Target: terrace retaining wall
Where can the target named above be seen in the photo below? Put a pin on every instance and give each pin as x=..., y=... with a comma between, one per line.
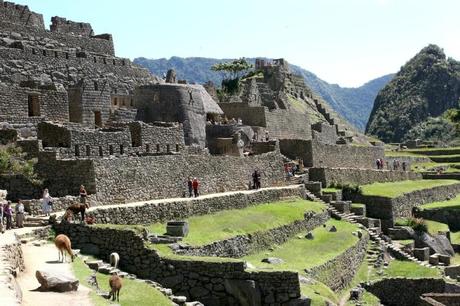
x=338, y=272
x=211, y=282
x=242, y=245
x=11, y=264
x=161, y=211
x=343, y=176
x=450, y=216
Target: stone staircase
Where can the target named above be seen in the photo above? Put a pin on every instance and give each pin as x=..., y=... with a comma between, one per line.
x=372, y=226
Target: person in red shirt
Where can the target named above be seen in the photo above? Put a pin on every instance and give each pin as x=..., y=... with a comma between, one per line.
x=195, y=185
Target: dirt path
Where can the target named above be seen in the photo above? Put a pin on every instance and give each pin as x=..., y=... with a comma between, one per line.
x=45, y=258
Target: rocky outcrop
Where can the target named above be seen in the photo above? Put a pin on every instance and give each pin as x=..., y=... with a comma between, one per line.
x=51, y=281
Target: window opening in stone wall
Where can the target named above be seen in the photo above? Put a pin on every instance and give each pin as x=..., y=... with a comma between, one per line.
x=177, y=147
x=122, y=150
x=123, y=62
x=67, y=55
x=56, y=54
x=115, y=101
x=44, y=52
x=101, y=153
x=96, y=86
x=88, y=150
x=110, y=150
x=33, y=105
x=34, y=51
x=168, y=148
x=147, y=148
x=77, y=150
x=158, y=147
x=97, y=119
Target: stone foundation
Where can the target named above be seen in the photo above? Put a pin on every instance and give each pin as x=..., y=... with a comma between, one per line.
x=11, y=264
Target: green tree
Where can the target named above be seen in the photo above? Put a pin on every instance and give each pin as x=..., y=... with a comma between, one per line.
x=232, y=73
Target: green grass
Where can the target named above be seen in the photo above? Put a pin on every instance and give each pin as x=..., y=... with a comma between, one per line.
x=330, y=189
x=423, y=167
x=299, y=254
x=404, y=241
x=428, y=150
x=357, y=205
x=230, y=223
x=450, y=204
x=319, y=293
x=396, y=189
x=409, y=269
x=402, y=153
x=132, y=292
x=433, y=226
x=455, y=237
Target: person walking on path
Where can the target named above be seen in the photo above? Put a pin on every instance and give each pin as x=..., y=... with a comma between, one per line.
x=256, y=179
x=8, y=212
x=20, y=215
x=190, y=187
x=195, y=186
x=47, y=202
x=83, y=195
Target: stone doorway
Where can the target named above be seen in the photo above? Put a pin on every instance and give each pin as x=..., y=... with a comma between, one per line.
x=97, y=119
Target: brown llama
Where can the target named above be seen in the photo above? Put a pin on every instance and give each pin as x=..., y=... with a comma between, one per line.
x=63, y=245
x=115, y=287
x=75, y=209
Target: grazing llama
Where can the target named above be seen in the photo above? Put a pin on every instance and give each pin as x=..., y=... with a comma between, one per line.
x=115, y=287
x=114, y=259
x=63, y=244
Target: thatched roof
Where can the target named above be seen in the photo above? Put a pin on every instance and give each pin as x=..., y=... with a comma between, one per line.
x=210, y=106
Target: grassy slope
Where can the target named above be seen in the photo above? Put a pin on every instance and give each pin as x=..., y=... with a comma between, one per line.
x=132, y=292
x=451, y=204
x=230, y=223
x=395, y=189
x=409, y=269
x=300, y=254
x=421, y=167
x=433, y=226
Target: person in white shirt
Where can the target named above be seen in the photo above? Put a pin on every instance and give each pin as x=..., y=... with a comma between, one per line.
x=47, y=202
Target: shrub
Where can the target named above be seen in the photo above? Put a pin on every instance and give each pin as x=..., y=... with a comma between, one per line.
x=348, y=190
x=13, y=161
x=417, y=224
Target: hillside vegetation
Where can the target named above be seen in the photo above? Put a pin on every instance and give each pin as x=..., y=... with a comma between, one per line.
x=354, y=104
x=416, y=103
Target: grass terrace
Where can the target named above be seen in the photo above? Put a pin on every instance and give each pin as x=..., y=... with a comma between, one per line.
x=433, y=226
x=230, y=223
x=300, y=254
x=450, y=204
x=409, y=269
x=132, y=293
x=396, y=189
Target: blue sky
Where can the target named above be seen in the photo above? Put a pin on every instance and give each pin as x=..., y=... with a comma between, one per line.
x=345, y=42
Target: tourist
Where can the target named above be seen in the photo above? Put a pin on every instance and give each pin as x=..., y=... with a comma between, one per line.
x=83, y=195
x=256, y=179
x=195, y=186
x=267, y=136
x=378, y=163
x=8, y=213
x=47, y=202
x=20, y=215
x=190, y=187
x=394, y=164
x=404, y=166
x=3, y=194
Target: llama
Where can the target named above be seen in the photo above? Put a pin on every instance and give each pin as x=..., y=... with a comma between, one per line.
x=74, y=209
x=114, y=259
x=115, y=286
x=64, y=245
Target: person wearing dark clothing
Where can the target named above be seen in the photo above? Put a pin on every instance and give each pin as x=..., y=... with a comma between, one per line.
x=256, y=179
x=83, y=195
x=404, y=166
x=8, y=213
x=195, y=186
x=378, y=163
x=190, y=187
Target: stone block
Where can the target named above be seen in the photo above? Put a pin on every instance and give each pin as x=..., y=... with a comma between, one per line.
x=401, y=232
x=434, y=260
x=422, y=254
x=358, y=210
x=314, y=187
x=445, y=259
x=342, y=206
x=177, y=228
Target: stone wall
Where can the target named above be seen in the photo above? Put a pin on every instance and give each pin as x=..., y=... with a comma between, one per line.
x=19, y=187
x=11, y=264
x=34, y=206
x=164, y=176
x=284, y=124
x=52, y=104
x=157, y=138
x=337, y=273
x=324, y=132
x=343, y=176
x=250, y=115
x=211, y=282
x=242, y=245
x=20, y=15
x=62, y=25
x=443, y=215
x=388, y=209
x=318, y=154
x=404, y=291
x=167, y=210
x=187, y=104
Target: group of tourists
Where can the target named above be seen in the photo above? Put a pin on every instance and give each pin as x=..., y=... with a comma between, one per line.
x=396, y=165
x=7, y=212
x=193, y=185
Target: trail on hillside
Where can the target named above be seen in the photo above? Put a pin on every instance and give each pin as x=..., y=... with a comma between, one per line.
x=45, y=258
